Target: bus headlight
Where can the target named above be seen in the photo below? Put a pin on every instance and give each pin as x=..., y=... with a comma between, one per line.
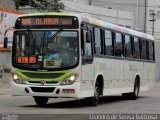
x=71, y=79
x=18, y=80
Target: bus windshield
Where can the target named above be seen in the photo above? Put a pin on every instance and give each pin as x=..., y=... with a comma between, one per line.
x=44, y=50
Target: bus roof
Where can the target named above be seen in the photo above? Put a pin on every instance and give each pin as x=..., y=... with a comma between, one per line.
x=97, y=22
x=114, y=27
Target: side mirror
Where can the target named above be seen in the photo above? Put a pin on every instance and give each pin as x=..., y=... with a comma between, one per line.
x=88, y=37
x=5, y=42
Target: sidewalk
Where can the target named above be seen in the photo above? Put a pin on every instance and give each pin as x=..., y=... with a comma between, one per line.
x=5, y=85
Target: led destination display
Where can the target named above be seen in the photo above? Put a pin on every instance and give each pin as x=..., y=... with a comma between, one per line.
x=47, y=22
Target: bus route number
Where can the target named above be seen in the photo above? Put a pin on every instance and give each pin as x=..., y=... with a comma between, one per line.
x=102, y=66
x=50, y=63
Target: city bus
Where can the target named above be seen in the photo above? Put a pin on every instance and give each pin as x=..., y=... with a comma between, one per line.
x=64, y=55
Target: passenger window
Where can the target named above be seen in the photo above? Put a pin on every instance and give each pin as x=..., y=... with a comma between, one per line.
x=108, y=43
x=151, y=51
x=128, y=49
x=98, y=48
x=144, y=50
x=136, y=48
x=118, y=45
x=147, y=49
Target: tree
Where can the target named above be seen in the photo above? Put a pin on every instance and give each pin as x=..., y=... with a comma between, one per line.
x=19, y=3
x=42, y=5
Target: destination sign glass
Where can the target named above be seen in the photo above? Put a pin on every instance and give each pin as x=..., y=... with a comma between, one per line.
x=47, y=22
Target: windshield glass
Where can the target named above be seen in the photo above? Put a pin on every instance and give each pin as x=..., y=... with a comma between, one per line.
x=44, y=50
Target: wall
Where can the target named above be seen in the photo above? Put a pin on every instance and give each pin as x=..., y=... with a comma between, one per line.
x=7, y=4
x=7, y=20
x=133, y=6
x=155, y=6
x=157, y=58
x=123, y=18
x=5, y=58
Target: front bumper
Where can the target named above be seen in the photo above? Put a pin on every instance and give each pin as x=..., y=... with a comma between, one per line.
x=49, y=91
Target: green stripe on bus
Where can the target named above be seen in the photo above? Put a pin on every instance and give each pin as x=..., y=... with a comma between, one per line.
x=66, y=74
x=94, y=71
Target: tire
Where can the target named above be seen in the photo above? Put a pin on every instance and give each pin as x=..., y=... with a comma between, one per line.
x=41, y=101
x=135, y=94
x=94, y=101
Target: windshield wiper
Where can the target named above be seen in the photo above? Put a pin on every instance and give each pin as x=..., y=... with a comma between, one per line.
x=31, y=40
x=53, y=36
x=30, y=33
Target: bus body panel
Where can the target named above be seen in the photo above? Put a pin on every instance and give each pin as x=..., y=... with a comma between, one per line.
x=19, y=90
x=87, y=81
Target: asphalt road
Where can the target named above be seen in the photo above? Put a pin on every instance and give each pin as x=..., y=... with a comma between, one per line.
x=148, y=102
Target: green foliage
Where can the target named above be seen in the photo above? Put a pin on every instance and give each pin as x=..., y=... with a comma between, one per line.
x=7, y=70
x=42, y=5
x=22, y=3
x=48, y=5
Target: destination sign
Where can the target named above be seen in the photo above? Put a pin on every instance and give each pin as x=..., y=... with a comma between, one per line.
x=26, y=60
x=47, y=21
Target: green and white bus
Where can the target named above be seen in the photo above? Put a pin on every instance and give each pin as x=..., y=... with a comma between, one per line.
x=77, y=56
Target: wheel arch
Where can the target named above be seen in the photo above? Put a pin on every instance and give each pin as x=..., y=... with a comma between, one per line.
x=137, y=79
x=100, y=79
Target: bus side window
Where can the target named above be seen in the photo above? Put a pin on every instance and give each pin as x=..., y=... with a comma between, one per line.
x=151, y=51
x=108, y=43
x=144, y=50
x=147, y=49
x=118, y=45
x=140, y=48
x=136, y=48
x=98, y=45
x=128, y=47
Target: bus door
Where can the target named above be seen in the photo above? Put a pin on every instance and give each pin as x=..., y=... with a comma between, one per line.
x=87, y=59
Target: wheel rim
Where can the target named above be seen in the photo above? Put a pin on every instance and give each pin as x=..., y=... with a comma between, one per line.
x=96, y=93
x=136, y=90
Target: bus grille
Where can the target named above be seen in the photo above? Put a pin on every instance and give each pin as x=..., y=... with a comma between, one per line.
x=47, y=82
x=42, y=90
x=43, y=75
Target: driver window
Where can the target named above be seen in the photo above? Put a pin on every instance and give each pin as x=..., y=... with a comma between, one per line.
x=86, y=47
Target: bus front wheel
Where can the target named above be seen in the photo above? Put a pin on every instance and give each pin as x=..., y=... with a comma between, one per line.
x=95, y=99
x=41, y=101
